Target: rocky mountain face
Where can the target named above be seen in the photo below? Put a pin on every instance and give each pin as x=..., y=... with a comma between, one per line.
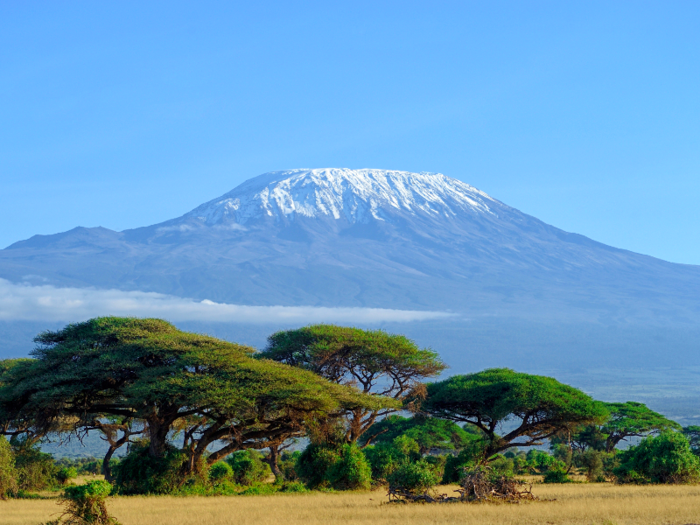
x=390, y=239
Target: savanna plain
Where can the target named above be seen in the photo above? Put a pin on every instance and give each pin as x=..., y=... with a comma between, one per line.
x=575, y=504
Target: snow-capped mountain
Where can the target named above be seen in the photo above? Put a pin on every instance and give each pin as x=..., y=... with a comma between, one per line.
x=354, y=195
x=385, y=239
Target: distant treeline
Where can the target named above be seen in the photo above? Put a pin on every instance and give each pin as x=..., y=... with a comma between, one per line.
x=196, y=414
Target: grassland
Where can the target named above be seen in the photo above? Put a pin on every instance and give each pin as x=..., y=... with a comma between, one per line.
x=576, y=504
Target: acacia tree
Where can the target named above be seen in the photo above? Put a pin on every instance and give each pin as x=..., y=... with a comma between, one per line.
x=377, y=363
x=625, y=420
x=536, y=407
x=147, y=370
x=632, y=419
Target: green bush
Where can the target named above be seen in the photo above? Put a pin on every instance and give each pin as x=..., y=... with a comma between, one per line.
x=86, y=504
x=592, y=463
x=385, y=457
x=351, y=471
x=556, y=473
x=415, y=477
x=539, y=462
x=140, y=473
x=8, y=473
x=342, y=467
x=666, y=458
x=314, y=462
x=36, y=470
x=248, y=467
x=220, y=471
x=437, y=463
x=287, y=465
x=65, y=474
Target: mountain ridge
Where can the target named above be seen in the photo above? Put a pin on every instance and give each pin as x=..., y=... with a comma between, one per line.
x=369, y=238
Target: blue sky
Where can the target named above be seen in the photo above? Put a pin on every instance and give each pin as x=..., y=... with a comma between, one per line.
x=583, y=114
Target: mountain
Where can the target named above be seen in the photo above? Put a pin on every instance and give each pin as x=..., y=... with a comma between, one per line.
x=523, y=293
x=340, y=237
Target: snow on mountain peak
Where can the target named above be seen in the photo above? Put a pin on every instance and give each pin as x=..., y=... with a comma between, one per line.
x=356, y=195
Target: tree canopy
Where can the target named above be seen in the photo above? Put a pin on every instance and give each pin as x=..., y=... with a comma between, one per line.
x=536, y=407
x=429, y=432
x=377, y=363
x=149, y=370
x=632, y=419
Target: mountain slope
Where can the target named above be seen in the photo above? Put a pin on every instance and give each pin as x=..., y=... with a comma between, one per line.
x=339, y=237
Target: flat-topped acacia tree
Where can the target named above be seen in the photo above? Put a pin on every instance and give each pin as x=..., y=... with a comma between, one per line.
x=632, y=419
x=535, y=407
x=377, y=363
x=148, y=370
x=625, y=420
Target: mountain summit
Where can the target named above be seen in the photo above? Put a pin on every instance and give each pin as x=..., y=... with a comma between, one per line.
x=355, y=196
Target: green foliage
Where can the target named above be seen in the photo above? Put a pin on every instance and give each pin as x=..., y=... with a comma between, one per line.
x=351, y=471
x=385, y=457
x=65, y=474
x=429, y=432
x=693, y=434
x=415, y=477
x=147, y=369
x=87, y=465
x=322, y=465
x=287, y=465
x=666, y=458
x=140, y=473
x=220, y=471
x=592, y=462
x=8, y=473
x=539, y=462
x=541, y=405
x=248, y=467
x=502, y=466
x=632, y=419
x=556, y=473
x=86, y=504
x=36, y=470
x=376, y=362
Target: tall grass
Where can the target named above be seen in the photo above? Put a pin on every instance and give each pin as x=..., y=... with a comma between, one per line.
x=575, y=504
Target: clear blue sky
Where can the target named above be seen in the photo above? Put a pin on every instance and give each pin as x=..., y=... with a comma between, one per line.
x=584, y=114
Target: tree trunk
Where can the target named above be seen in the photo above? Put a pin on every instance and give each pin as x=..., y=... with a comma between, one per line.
x=158, y=434
x=273, y=460
x=106, y=469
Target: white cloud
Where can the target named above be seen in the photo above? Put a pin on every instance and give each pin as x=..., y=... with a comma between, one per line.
x=48, y=303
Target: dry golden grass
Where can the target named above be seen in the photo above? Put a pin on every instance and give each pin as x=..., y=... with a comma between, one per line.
x=579, y=504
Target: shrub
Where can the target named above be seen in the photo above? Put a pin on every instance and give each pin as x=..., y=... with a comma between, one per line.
x=351, y=471
x=592, y=463
x=220, y=471
x=36, y=470
x=87, y=504
x=556, y=473
x=314, y=462
x=666, y=458
x=414, y=477
x=8, y=473
x=454, y=465
x=248, y=467
x=539, y=461
x=437, y=463
x=385, y=457
x=65, y=474
x=344, y=467
x=140, y=473
x=287, y=465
